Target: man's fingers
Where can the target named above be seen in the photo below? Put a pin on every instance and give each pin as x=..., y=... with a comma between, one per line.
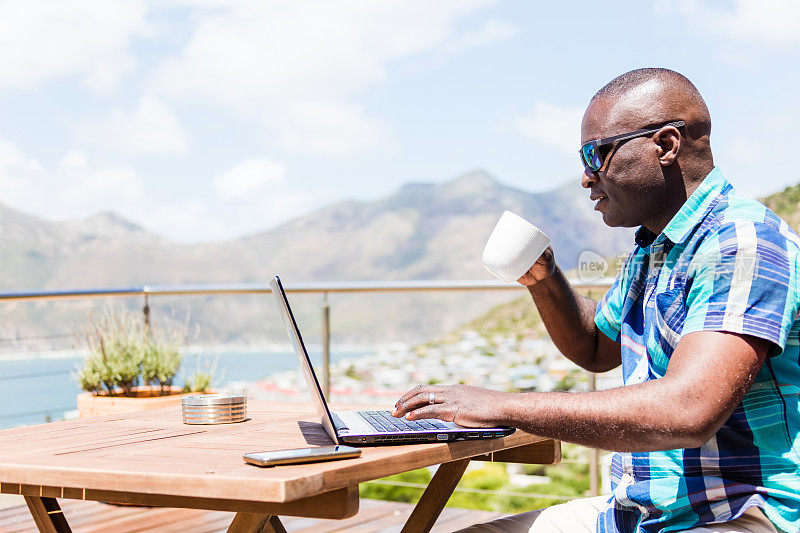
x=408, y=404
x=417, y=400
x=422, y=391
x=413, y=392
x=431, y=411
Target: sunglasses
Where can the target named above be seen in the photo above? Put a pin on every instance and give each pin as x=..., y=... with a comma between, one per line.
x=594, y=154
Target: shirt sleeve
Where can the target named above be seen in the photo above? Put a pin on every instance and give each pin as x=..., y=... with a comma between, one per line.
x=608, y=314
x=744, y=280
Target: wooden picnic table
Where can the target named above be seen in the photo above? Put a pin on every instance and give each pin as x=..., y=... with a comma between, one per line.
x=152, y=458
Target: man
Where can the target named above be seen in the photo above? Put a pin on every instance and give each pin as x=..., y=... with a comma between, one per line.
x=701, y=318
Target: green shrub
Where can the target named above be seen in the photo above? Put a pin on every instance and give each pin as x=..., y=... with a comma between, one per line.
x=396, y=493
x=203, y=377
x=124, y=353
x=567, y=480
x=161, y=362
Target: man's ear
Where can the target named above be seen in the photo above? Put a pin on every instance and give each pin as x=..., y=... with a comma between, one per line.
x=668, y=140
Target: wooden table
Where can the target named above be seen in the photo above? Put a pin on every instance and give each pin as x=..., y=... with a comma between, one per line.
x=152, y=458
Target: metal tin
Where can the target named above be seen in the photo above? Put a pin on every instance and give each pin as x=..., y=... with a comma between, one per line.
x=214, y=412
x=214, y=399
x=214, y=409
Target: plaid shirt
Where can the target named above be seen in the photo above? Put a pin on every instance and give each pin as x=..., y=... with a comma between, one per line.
x=723, y=263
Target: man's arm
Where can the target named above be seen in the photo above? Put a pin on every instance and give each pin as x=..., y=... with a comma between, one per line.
x=708, y=374
x=569, y=317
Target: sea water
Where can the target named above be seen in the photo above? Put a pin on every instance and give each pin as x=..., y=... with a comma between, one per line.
x=41, y=388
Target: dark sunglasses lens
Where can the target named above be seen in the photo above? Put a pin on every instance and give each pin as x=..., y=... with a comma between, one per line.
x=591, y=158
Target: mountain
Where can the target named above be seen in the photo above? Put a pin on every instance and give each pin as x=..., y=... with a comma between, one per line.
x=431, y=231
x=786, y=204
x=422, y=231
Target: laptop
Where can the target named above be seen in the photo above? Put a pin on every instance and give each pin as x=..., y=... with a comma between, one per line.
x=371, y=427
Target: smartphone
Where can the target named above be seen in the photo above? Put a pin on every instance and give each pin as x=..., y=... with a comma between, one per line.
x=301, y=455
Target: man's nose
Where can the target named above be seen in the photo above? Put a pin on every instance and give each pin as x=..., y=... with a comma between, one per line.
x=589, y=178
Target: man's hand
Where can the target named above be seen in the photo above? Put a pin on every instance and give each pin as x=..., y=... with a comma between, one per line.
x=466, y=406
x=542, y=269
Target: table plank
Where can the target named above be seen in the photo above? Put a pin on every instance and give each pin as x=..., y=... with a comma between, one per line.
x=335, y=504
x=541, y=453
x=156, y=454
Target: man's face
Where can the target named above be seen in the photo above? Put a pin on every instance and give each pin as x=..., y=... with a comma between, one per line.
x=631, y=189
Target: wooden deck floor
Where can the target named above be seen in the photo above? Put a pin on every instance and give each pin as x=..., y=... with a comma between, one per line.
x=93, y=517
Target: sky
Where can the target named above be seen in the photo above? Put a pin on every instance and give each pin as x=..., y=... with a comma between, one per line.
x=207, y=120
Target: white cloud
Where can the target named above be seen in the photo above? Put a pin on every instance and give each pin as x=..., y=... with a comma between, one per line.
x=492, y=31
x=45, y=40
x=255, y=194
x=151, y=128
x=76, y=188
x=248, y=178
x=268, y=209
x=555, y=126
x=332, y=129
x=768, y=22
x=257, y=52
x=180, y=221
x=13, y=162
x=290, y=63
x=86, y=187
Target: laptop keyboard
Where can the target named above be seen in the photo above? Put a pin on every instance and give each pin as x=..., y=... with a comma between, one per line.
x=384, y=421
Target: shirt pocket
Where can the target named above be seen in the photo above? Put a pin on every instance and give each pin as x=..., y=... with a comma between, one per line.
x=670, y=315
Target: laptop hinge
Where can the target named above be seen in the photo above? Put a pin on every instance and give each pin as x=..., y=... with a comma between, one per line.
x=338, y=423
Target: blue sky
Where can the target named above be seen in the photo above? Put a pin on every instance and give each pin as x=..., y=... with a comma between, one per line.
x=207, y=120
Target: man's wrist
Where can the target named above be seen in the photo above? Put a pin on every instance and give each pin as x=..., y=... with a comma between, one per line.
x=544, y=284
x=507, y=409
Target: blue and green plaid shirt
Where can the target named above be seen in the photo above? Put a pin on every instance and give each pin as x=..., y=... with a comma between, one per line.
x=723, y=263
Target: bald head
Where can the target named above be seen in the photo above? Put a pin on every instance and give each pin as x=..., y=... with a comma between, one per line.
x=630, y=80
x=652, y=96
x=657, y=95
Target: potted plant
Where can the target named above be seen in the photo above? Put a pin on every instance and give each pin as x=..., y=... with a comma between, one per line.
x=130, y=367
x=202, y=378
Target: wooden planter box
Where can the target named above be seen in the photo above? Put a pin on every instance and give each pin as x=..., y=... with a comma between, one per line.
x=146, y=399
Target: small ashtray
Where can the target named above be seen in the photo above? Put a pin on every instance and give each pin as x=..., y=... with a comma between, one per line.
x=214, y=409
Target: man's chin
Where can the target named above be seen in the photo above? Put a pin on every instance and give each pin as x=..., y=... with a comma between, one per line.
x=611, y=220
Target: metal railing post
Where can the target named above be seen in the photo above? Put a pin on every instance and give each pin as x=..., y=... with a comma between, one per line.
x=326, y=347
x=146, y=312
x=594, y=454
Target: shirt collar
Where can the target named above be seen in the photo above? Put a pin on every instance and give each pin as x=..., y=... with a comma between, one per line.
x=691, y=213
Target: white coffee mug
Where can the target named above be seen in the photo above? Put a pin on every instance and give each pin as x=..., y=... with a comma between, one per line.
x=513, y=247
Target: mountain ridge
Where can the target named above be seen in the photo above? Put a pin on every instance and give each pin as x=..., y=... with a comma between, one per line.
x=420, y=231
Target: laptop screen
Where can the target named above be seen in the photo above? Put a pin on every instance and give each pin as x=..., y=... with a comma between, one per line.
x=302, y=355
